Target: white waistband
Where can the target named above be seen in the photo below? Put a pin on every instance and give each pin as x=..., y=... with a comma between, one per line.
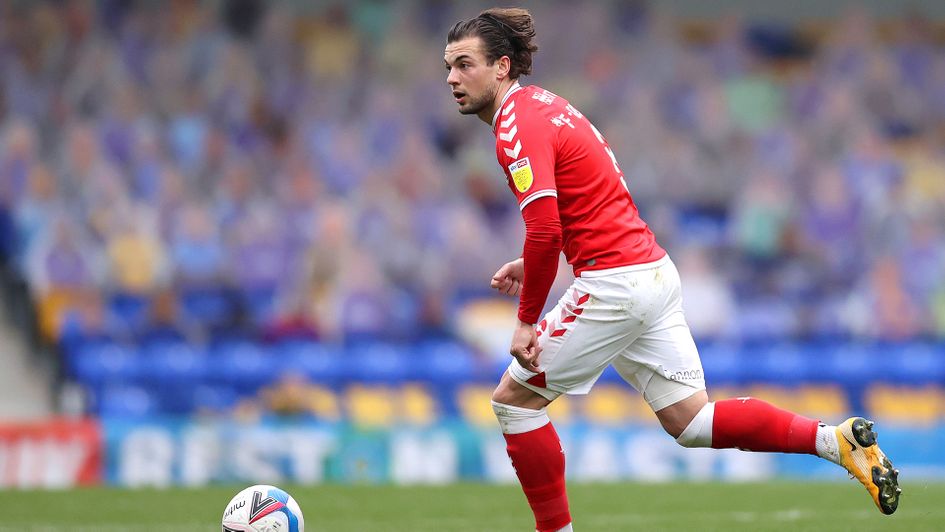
x=626, y=269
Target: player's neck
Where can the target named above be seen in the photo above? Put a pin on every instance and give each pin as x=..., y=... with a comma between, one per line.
x=487, y=114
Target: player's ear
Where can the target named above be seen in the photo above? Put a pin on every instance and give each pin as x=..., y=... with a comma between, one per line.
x=504, y=66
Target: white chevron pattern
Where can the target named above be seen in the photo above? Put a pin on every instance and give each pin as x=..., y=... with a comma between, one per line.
x=507, y=137
x=508, y=121
x=507, y=110
x=513, y=153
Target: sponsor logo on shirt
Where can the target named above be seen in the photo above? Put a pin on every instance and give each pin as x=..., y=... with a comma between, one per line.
x=521, y=172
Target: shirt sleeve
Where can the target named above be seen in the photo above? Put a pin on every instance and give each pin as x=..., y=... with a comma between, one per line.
x=540, y=254
x=525, y=147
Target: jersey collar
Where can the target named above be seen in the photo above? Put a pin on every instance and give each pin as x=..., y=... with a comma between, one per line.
x=513, y=89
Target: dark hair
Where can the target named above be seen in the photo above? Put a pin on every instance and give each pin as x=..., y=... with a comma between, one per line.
x=504, y=31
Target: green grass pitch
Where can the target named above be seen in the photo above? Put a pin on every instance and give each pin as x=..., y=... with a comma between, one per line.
x=485, y=508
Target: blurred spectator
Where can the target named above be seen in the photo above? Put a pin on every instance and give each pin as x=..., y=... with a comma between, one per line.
x=203, y=169
x=137, y=257
x=196, y=249
x=291, y=395
x=882, y=308
x=63, y=260
x=708, y=300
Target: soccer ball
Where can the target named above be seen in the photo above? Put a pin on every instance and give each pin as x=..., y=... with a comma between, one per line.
x=263, y=508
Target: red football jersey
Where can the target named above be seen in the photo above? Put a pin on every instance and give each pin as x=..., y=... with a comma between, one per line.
x=548, y=148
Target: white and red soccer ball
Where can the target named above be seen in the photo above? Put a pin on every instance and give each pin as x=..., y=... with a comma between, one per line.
x=263, y=508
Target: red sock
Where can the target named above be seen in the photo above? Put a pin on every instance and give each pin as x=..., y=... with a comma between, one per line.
x=539, y=463
x=754, y=425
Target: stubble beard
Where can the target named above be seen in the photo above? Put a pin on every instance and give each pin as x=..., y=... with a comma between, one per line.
x=475, y=106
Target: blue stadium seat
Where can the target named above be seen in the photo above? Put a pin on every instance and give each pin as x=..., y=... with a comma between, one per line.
x=129, y=310
x=215, y=398
x=243, y=364
x=207, y=305
x=184, y=399
x=723, y=363
x=259, y=303
x=379, y=363
x=849, y=364
x=124, y=400
x=174, y=362
x=916, y=363
x=445, y=360
x=102, y=362
x=786, y=363
x=322, y=363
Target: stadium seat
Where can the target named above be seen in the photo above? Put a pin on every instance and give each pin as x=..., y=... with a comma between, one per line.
x=129, y=310
x=243, y=364
x=923, y=405
x=174, y=363
x=127, y=401
x=379, y=363
x=616, y=405
x=917, y=363
x=207, y=306
x=259, y=304
x=723, y=363
x=97, y=363
x=214, y=398
x=445, y=361
x=786, y=363
x=371, y=406
x=322, y=363
x=848, y=364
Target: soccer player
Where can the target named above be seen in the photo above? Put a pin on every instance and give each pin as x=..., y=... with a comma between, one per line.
x=623, y=308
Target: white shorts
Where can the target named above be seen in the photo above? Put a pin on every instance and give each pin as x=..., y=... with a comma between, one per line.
x=629, y=317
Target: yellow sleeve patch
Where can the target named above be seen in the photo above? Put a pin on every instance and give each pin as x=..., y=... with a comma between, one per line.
x=521, y=172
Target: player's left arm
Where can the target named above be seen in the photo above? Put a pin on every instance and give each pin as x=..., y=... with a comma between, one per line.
x=527, y=149
x=543, y=243
x=540, y=257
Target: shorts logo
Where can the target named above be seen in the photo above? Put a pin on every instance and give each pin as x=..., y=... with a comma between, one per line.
x=686, y=375
x=521, y=172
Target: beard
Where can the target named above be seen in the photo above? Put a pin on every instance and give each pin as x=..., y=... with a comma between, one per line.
x=475, y=106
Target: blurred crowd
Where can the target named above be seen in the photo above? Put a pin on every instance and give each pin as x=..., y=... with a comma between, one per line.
x=188, y=168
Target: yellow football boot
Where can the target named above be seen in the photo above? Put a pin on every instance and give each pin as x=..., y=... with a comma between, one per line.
x=865, y=461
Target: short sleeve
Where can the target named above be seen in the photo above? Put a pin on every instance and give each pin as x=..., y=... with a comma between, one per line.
x=525, y=147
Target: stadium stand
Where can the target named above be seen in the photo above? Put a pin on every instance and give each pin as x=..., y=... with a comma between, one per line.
x=201, y=214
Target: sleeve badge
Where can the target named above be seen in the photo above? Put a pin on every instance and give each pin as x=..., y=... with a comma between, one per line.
x=521, y=172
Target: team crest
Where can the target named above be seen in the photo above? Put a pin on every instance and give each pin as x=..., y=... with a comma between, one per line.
x=521, y=172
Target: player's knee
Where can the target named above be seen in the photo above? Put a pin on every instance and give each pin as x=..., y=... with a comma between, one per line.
x=698, y=432
x=678, y=416
x=675, y=428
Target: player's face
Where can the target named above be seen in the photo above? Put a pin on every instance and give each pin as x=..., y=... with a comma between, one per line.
x=474, y=82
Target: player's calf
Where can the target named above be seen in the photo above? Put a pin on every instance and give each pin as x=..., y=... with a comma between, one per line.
x=538, y=459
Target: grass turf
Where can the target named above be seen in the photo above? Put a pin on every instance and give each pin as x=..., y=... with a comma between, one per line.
x=473, y=507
